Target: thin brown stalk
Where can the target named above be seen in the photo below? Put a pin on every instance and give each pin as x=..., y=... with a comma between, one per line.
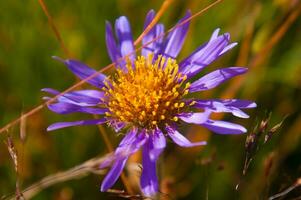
x=82, y=170
x=161, y=11
x=54, y=28
x=41, y=106
x=242, y=60
x=264, y=52
x=260, y=57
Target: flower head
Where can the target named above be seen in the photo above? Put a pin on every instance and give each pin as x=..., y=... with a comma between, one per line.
x=148, y=95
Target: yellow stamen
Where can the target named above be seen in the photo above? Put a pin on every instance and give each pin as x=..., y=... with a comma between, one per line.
x=148, y=94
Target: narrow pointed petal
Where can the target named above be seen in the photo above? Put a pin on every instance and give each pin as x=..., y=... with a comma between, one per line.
x=195, y=118
x=215, y=78
x=82, y=71
x=60, y=125
x=223, y=127
x=159, y=143
x=50, y=91
x=238, y=103
x=227, y=48
x=180, y=140
x=113, y=174
x=204, y=55
x=148, y=180
x=176, y=38
x=124, y=34
x=112, y=47
x=149, y=37
x=79, y=97
x=214, y=35
x=129, y=145
x=127, y=140
x=151, y=152
x=152, y=41
x=218, y=106
x=67, y=108
x=89, y=97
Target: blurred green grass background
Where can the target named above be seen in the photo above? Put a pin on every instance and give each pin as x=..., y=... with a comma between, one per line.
x=27, y=44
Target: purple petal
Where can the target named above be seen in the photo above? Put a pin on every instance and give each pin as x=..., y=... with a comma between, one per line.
x=223, y=127
x=205, y=54
x=83, y=71
x=238, y=103
x=124, y=34
x=129, y=145
x=66, y=108
x=152, y=41
x=107, y=161
x=113, y=174
x=176, y=38
x=214, y=35
x=180, y=140
x=149, y=48
x=151, y=152
x=220, y=106
x=60, y=125
x=215, y=78
x=116, y=125
x=159, y=37
x=227, y=48
x=129, y=137
x=85, y=97
x=50, y=90
x=79, y=97
x=113, y=49
x=195, y=118
x=128, y=140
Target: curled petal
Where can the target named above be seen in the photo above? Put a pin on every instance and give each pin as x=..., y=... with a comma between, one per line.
x=215, y=78
x=216, y=105
x=238, y=103
x=195, y=118
x=206, y=54
x=180, y=140
x=223, y=127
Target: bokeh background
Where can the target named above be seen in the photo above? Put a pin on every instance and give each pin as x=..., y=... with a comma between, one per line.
x=269, y=37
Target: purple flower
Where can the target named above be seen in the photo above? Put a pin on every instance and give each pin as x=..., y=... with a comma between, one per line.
x=147, y=96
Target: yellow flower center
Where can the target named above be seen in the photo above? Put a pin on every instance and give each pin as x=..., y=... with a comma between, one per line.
x=148, y=94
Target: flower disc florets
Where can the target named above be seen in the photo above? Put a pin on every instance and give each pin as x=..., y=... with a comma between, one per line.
x=148, y=94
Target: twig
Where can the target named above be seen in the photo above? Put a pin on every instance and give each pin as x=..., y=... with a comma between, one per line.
x=259, y=58
x=82, y=170
x=53, y=27
x=163, y=8
x=286, y=191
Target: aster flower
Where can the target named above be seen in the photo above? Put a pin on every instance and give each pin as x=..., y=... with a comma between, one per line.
x=147, y=96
